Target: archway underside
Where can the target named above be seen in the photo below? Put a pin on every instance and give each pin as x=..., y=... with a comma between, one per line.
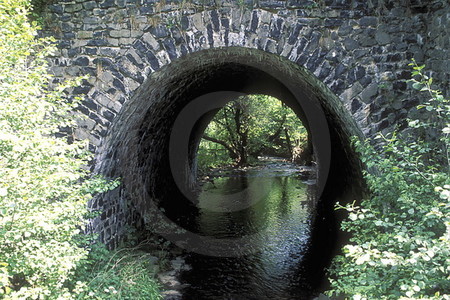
x=138, y=146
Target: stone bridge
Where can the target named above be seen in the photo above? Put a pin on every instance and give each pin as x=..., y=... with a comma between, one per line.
x=342, y=63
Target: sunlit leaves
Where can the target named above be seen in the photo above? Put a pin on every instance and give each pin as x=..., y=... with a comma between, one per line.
x=400, y=245
x=43, y=187
x=259, y=123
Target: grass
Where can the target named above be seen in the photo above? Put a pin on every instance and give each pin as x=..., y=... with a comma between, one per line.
x=127, y=273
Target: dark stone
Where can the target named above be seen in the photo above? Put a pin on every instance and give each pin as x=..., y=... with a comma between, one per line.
x=215, y=20
x=151, y=58
x=210, y=33
x=301, y=60
x=333, y=22
x=66, y=27
x=325, y=70
x=69, y=35
x=300, y=3
x=109, y=115
x=350, y=44
x=98, y=43
x=81, y=90
x=382, y=38
x=255, y=22
x=356, y=104
x=140, y=46
x=399, y=85
x=272, y=4
x=146, y=10
x=314, y=42
x=93, y=116
x=83, y=110
x=368, y=21
x=340, y=69
x=365, y=81
x=90, y=5
x=105, y=63
x=121, y=3
x=56, y=9
x=184, y=50
x=65, y=18
x=225, y=23
x=100, y=34
x=119, y=85
x=382, y=125
x=133, y=61
x=394, y=57
x=159, y=31
x=359, y=72
x=170, y=48
x=294, y=34
x=81, y=61
x=338, y=87
x=72, y=52
x=89, y=103
x=107, y=4
x=184, y=23
x=276, y=29
x=404, y=75
x=177, y=35
x=313, y=63
x=360, y=53
x=89, y=71
x=367, y=41
x=340, y=4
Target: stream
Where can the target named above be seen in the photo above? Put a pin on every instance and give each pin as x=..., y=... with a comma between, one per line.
x=275, y=203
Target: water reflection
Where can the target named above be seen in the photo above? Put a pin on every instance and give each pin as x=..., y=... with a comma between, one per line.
x=278, y=209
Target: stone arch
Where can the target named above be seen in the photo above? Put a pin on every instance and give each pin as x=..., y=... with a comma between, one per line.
x=138, y=144
x=305, y=45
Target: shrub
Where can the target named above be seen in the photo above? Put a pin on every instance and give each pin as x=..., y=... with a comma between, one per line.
x=400, y=245
x=43, y=187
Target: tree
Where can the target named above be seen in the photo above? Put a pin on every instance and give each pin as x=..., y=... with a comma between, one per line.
x=43, y=186
x=251, y=126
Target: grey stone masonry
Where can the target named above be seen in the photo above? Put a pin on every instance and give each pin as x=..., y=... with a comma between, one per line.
x=358, y=50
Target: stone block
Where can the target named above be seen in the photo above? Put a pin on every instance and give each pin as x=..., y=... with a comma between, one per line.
x=85, y=34
x=382, y=38
x=369, y=92
x=120, y=33
x=368, y=21
x=71, y=8
x=90, y=5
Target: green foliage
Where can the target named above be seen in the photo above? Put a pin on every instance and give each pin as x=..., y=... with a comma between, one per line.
x=43, y=186
x=126, y=273
x=248, y=127
x=400, y=247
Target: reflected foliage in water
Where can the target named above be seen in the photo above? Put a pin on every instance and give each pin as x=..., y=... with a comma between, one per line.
x=271, y=202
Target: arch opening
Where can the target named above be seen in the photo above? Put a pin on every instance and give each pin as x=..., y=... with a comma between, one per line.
x=249, y=127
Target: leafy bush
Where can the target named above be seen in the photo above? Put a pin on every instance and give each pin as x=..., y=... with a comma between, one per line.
x=400, y=247
x=43, y=186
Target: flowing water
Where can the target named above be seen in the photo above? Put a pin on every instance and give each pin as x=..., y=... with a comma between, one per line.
x=275, y=204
